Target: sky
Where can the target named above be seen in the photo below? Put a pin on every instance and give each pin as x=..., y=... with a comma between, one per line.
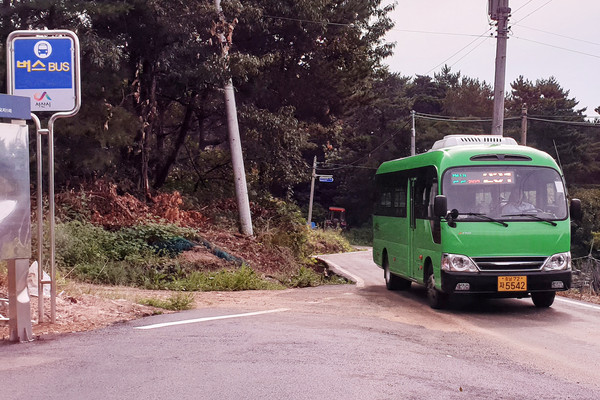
x=559, y=38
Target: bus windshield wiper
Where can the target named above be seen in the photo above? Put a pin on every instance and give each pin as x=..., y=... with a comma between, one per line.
x=532, y=216
x=484, y=216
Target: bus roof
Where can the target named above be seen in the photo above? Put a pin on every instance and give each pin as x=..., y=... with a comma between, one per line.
x=479, y=154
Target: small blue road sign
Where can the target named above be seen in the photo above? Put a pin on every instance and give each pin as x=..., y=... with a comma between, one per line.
x=43, y=69
x=326, y=178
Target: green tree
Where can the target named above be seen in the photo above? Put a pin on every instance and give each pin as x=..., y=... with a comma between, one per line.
x=546, y=99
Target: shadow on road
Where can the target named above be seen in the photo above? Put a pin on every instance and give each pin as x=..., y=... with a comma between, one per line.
x=416, y=296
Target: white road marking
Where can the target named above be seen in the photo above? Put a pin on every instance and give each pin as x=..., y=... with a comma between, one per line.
x=578, y=303
x=193, y=321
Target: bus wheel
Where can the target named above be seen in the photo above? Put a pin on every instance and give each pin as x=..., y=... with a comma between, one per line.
x=437, y=300
x=393, y=282
x=543, y=299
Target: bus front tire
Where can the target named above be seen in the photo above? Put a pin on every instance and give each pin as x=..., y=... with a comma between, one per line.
x=437, y=300
x=543, y=299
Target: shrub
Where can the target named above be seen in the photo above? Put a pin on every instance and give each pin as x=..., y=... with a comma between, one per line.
x=306, y=277
x=359, y=236
x=326, y=242
x=243, y=278
x=177, y=302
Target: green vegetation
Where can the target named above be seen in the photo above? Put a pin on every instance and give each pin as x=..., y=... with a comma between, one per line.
x=360, y=236
x=327, y=241
x=243, y=278
x=177, y=302
x=586, y=233
x=147, y=255
x=131, y=257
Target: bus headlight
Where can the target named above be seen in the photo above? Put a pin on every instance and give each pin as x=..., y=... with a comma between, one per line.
x=558, y=262
x=458, y=263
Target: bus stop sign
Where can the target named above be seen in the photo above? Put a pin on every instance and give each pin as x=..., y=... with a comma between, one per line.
x=42, y=66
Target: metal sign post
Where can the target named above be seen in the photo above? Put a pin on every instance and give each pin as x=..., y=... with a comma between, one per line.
x=44, y=66
x=314, y=176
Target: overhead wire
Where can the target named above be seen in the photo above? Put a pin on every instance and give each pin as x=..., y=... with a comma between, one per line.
x=557, y=47
x=457, y=119
x=483, y=35
x=559, y=35
x=324, y=166
x=309, y=21
x=533, y=12
x=574, y=123
x=457, y=52
x=523, y=6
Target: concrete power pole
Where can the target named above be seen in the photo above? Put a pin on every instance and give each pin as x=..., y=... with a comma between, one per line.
x=413, y=135
x=524, y=124
x=499, y=11
x=223, y=31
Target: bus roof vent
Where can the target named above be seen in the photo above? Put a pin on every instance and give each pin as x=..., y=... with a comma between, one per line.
x=465, y=140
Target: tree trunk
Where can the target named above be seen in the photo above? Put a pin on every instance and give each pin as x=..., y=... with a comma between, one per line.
x=146, y=99
x=163, y=172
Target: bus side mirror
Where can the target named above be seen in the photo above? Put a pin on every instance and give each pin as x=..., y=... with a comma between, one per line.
x=440, y=206
x=575, y=209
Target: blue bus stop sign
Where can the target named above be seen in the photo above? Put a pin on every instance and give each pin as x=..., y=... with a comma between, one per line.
x=43, y=68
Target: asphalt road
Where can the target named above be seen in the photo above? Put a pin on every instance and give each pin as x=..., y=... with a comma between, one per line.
x=337, y=342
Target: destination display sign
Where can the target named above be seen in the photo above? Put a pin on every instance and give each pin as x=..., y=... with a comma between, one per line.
x=479, y=177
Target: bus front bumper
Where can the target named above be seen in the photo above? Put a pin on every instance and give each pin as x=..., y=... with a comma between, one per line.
x=487, y=283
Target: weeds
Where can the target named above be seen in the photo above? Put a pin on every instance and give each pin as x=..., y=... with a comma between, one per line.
x=177, y=302
x=306, y=277
x=327, y=241
x=243, y=278
x=146, y=255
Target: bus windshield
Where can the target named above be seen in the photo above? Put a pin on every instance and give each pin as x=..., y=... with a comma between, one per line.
x=505, y=192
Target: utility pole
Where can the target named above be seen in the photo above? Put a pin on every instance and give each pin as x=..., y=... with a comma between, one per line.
x=412, y=135
x=499, y=11
x=312, y=190
x=524, y=124
x=224, y=32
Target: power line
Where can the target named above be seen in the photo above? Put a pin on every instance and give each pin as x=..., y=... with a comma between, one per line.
x=435, y=32
x=559, y=35
x=523, y=6
x=444, y=118
x=534, y=11
x=350, y=25
x=469, y=52
x=336, y=167
x=574, y=123
x=484, y=35
x=398, y=131
x=456, y=53
x=558, y=47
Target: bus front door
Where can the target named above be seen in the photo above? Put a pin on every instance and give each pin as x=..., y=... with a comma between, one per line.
x=412, y=228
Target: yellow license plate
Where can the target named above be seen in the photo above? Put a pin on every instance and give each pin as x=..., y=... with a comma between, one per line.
x=512, y=283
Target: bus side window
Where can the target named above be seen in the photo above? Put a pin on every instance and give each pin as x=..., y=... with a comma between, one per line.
x=400, y=201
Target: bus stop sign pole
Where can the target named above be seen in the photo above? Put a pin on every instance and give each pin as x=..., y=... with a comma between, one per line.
x=45, y=66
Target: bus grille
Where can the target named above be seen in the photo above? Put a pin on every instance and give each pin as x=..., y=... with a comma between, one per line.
x=510, y=263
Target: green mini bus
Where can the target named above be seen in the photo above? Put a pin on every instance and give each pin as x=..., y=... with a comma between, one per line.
x=475, y=215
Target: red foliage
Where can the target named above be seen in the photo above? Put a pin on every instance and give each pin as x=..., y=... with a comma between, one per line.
x=104, y=206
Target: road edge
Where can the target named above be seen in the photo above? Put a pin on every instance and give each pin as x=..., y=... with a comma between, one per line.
x=359, y=282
